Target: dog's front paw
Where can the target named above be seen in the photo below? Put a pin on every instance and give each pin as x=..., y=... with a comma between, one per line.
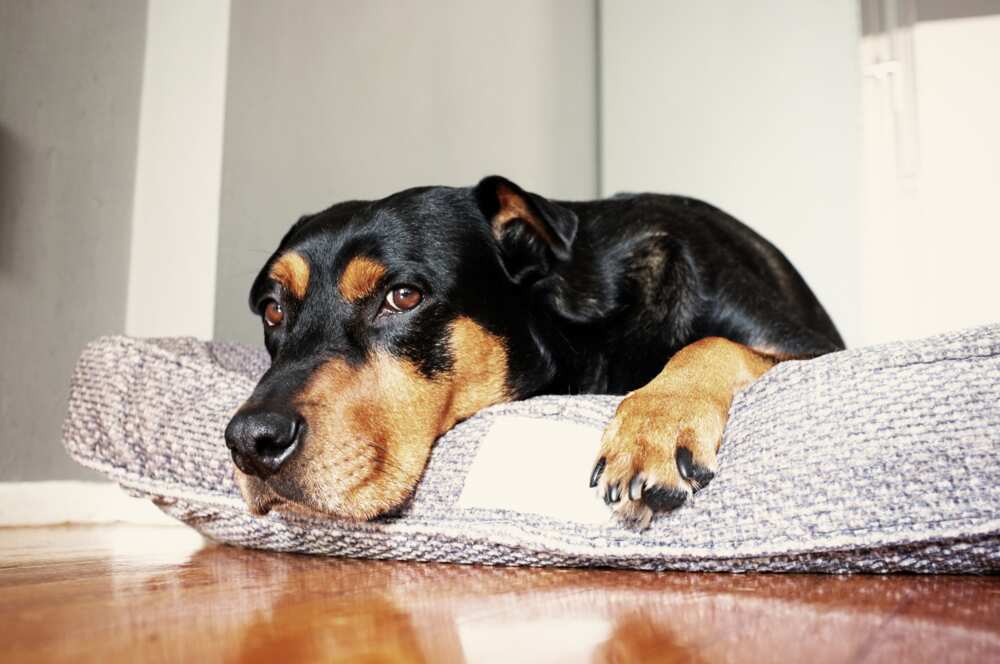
x=658, y=450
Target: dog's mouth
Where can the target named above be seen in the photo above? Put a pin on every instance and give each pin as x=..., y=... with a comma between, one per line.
x=358, y=483
x=261, y=498
x=263, y=505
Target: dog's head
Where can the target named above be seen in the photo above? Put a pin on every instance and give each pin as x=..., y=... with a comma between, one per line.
x=388, y=322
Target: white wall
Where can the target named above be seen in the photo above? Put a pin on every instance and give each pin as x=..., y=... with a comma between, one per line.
x=752, y=106
x=175, y=218
x=932, y=229
x=345, y=99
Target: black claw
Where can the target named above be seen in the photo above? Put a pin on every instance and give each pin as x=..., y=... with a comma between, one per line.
x=696, y=474
x=635, y=487
x=613, y=495
x=685, y=461
x=595, y=474
x=661, y=498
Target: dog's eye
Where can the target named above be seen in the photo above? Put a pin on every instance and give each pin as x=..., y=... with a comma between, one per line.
x=402, y=298
x=273, y=313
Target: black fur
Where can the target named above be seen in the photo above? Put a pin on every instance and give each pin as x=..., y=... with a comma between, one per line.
x=597, y=304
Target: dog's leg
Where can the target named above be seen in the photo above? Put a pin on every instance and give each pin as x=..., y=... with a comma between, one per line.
x=661, y=445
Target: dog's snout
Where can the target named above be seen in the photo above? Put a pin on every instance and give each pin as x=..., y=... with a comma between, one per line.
x=261, y=440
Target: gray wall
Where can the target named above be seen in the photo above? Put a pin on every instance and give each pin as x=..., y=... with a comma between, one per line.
x=348, y=99
x=70, y=77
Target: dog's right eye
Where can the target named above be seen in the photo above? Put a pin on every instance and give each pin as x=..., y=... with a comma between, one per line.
x=273, y=313
x=402, y=298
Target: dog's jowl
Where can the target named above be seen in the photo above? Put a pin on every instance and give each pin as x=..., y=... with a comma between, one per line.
x=390, y=321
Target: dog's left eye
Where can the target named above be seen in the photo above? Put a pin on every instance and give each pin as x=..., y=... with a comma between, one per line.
x=273, y=313
x=402, y=298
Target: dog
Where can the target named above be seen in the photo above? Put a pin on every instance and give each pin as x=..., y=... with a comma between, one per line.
x=390, y=321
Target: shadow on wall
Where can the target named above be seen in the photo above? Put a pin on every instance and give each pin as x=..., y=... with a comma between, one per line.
x=875, y=14
x=9, y=198
x=940, y=10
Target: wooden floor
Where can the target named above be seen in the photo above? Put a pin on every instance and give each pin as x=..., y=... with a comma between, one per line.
x=163, y=594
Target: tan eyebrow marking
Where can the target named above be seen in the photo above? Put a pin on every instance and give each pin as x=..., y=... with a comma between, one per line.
x=292, y=272
x=360, y=278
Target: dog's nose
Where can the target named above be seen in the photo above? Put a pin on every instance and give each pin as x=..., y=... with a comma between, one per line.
x=261, y=440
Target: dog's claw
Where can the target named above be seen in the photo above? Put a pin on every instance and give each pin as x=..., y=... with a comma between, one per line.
x=635, y=487
x=614, y=494
x=595, y=474
x=685, y=462
x=697, y=476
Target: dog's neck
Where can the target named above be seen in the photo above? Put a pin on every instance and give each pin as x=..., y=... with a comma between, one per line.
x=594, y=323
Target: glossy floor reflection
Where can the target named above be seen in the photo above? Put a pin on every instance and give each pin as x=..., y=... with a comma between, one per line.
x=162, y=594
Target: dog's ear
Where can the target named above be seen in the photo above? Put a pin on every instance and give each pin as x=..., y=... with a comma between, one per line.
x=531, y=230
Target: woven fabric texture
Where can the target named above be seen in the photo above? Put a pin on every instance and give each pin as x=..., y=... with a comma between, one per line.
x=878, y=459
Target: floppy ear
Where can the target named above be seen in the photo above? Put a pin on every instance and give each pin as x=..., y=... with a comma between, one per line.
x=531, y=230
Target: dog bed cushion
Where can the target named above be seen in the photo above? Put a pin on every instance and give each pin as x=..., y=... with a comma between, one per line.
x=878, y=459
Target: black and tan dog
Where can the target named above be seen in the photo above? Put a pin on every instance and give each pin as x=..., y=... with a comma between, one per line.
x=389, y=321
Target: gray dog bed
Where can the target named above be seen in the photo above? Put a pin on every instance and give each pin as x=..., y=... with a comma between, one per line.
x=879, y=459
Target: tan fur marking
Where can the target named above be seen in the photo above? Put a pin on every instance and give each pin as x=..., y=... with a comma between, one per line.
x=686, y=405
x=480, y=369
x=370, y=428
x=292, y=271
x=513, y=206
x=367, y=427
x=360, y=278
x=715, y=365
x=775, y=354
x=257, y=495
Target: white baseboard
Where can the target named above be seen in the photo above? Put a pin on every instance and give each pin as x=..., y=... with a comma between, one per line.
x=68, y=502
